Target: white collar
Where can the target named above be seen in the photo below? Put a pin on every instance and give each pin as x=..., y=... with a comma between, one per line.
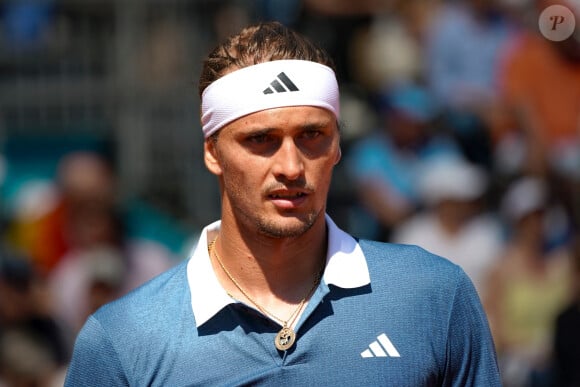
x=346, y=267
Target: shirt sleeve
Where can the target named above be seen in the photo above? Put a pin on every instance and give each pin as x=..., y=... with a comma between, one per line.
x=95, y=361
x=471, y=356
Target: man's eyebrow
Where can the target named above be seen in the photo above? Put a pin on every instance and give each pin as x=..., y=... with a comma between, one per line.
x=315, y=125
x=256, y=131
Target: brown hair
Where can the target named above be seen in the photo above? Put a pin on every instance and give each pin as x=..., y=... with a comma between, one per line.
x=259, y=43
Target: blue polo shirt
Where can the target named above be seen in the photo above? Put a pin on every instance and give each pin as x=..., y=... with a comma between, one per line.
x=383, y=314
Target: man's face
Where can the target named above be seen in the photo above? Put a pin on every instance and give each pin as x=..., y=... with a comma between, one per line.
x=275, y=168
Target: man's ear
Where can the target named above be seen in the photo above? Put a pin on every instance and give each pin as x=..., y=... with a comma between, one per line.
x=338, y=155
x=210, y=157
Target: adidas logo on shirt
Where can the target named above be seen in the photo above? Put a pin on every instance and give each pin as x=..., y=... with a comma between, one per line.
x=281, y=84
x=382, y=347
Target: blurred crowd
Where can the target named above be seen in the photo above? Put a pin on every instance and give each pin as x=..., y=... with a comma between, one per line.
x=68, y=248
x=461, y=133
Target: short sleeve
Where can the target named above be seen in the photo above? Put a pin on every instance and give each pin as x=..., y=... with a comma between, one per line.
x=95, y=361
x=471, y=356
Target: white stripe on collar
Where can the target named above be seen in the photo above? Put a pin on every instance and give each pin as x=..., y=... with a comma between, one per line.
x=346, y=267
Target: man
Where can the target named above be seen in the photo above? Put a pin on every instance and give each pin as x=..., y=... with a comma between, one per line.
x=275, y=293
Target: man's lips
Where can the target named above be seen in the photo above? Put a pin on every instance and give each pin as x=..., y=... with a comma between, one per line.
x=287, y=195
x=287, y=199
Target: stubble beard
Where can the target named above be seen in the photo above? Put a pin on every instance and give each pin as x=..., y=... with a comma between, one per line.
x=290, y=225
x=273, y=229
x=273, y=225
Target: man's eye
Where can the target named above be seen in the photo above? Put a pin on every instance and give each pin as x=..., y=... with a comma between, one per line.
x=259, y=138
x=310, y=134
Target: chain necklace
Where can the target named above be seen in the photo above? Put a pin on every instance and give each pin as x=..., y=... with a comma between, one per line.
x=286, y=336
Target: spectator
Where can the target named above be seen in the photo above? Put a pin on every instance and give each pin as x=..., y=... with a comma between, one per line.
x=454, y=223
x=462, y=51
x=33, y=350
x=102, y=260
x=390, y=49
x=385, y=166
x=527, y=288
x=85, y=280
x=567, y=332
x=85, y=187
x=540, y=90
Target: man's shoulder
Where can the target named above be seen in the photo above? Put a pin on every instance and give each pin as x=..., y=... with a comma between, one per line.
x=403, y=254
x=410, y=274
x=124, y=337
x=410, y=264
x=162, y=292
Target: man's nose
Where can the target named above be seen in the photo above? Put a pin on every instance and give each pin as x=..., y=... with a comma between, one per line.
x=289, y=161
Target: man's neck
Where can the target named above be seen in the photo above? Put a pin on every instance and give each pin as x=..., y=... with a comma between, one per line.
x=277, y=273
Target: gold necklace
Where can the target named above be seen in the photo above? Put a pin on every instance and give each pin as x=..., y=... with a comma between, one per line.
x=286, y=336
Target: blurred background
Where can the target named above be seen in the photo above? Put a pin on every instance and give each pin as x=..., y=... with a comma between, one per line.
x=460, y=132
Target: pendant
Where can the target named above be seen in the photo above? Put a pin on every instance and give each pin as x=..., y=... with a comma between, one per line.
x=285, y=339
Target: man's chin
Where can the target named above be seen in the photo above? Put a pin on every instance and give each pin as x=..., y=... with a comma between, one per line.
x=287, y=227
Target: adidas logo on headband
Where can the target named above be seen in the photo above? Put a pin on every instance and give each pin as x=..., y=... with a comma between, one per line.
x=277, y=87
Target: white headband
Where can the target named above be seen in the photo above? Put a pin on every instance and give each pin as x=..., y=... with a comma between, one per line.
x=268, y=85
